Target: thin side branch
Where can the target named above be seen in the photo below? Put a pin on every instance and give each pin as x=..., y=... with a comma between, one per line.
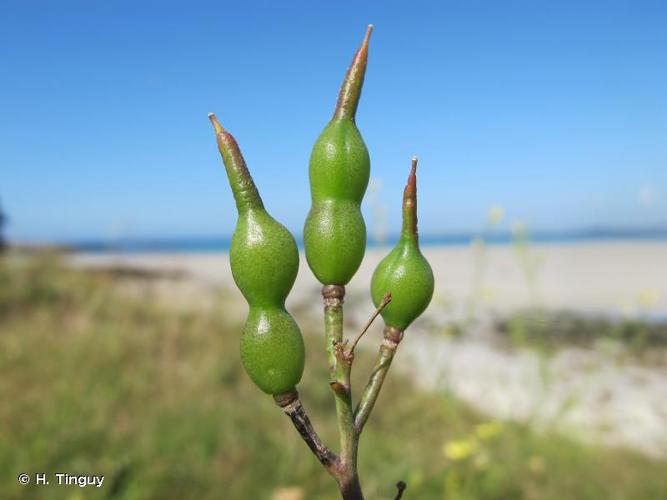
x=385, y=300
x=400, y=486
x=291, y=405
x=392, y=337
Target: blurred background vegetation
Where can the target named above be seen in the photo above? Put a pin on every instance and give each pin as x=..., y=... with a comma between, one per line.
x=544, y=351
x=97, y=376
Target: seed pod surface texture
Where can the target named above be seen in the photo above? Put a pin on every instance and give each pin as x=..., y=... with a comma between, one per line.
x=335, y=232
x=264, y=261
x=405, y=272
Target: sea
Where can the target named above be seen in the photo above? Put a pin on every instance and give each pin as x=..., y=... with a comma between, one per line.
x=214, y=244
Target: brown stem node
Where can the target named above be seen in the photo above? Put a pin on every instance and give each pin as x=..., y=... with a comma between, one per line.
x=338, y=388
x=393, y=335
x=333, y=295
x=283, y=400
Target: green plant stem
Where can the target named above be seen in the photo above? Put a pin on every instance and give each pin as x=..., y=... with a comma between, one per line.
x=350, y=423
x=392, y=337
x=339, y=370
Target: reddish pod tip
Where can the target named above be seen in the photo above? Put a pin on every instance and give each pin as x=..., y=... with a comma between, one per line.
x=410, y=203
x=364, y=44
x=350, y=91
x=411, y=186
x=244, y=189
x=216, y=124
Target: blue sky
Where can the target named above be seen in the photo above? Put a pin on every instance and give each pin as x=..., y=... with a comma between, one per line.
x=555, y=110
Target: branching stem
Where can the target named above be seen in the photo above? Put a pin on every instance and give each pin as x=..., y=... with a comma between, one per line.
x=339, y=371
x=343, y=467
x=291, y=405
x=392, y=337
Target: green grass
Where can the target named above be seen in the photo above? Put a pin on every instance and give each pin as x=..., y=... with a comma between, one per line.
x=96, y=381
x=555, y=329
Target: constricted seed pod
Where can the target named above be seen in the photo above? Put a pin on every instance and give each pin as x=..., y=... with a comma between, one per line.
x=335, y=233
x=405, y=272
x=264, y=261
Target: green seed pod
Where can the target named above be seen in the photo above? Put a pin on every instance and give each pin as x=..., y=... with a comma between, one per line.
x=264, y=261
x=335, y=234
x=405, y=273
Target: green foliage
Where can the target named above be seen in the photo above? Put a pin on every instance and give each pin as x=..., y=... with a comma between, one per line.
x=554, y=329
x=94, y=381
x=3, y=222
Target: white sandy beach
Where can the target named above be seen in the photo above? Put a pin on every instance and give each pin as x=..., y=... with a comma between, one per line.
x=611, y=277
x=580, y=391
